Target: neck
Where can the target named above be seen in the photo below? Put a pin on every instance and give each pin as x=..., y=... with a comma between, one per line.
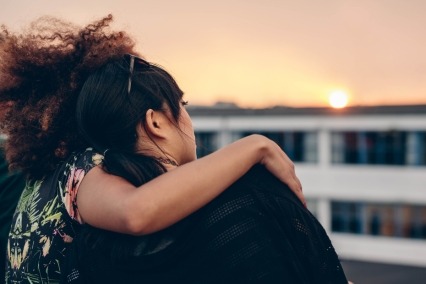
x=168, y=163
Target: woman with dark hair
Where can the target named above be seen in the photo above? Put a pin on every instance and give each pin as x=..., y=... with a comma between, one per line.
x=257, y=231
x=67, y=140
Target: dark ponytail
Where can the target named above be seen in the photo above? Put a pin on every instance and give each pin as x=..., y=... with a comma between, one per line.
x=135, y=168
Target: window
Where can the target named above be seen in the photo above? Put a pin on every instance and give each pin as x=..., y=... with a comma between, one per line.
x=379, y=219
x=299, y=146
x=346, y=217
x=416, y=148
x=377, y=147
x=206, y=143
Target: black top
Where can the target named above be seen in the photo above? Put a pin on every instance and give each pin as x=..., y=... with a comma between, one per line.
x=257, y=231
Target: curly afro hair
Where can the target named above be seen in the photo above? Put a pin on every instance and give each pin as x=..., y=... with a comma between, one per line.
x=41, y=73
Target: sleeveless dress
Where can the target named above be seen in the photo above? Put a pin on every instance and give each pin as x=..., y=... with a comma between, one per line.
x=46, y=221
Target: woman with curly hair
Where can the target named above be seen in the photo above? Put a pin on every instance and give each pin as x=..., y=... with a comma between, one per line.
x=58, y=138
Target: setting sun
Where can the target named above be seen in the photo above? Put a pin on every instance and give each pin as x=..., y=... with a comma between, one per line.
x=338, y=99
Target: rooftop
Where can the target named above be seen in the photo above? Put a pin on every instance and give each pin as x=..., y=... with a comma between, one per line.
x=234, y=110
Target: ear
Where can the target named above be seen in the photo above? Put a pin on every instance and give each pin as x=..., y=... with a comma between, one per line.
x=156, y=123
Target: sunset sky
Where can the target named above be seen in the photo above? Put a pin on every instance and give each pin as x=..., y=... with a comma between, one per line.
x=267, y=52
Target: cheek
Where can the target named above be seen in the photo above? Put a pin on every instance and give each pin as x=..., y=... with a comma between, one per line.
x=186, y=125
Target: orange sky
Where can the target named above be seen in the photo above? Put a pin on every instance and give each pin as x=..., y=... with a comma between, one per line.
x=262, y=53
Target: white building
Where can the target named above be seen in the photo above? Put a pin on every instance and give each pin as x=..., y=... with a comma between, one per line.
x=363, y=170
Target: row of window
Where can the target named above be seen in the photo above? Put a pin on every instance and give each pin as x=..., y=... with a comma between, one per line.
x=347, y=147
x=299, y=146
x=391, y=220
x=380, y=148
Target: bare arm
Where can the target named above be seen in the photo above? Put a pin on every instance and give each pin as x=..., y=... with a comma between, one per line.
x=109, y=202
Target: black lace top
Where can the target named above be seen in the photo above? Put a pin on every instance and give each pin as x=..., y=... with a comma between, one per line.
x=257, y=231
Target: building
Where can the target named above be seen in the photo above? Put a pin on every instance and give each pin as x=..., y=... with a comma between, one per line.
x=363, y=170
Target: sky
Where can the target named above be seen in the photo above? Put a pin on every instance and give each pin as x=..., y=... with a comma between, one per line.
x=261, y=53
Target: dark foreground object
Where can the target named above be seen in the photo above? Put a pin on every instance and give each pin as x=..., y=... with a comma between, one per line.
x=257, y=231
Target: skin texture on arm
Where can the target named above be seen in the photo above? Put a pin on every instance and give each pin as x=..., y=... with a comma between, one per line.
x=109, y=202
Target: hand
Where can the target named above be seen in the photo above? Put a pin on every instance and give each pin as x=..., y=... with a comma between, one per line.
x=280, y=165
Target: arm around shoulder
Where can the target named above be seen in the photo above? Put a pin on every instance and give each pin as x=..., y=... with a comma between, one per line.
x=110, y=202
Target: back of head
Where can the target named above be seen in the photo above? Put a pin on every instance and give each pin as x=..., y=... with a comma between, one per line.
x=41, y=74
x=113, y=103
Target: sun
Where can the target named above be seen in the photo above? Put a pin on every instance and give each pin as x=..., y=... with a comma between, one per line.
x=338, y=99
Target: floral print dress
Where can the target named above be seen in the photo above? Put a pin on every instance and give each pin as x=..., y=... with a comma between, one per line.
x=45, y=222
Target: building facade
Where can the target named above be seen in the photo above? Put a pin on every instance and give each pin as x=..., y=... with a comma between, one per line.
x=363, y=170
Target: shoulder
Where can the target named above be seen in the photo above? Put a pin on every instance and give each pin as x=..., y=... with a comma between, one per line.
x=85, y=160
x=258, y=180
x=78, y=165
x=75, y=169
